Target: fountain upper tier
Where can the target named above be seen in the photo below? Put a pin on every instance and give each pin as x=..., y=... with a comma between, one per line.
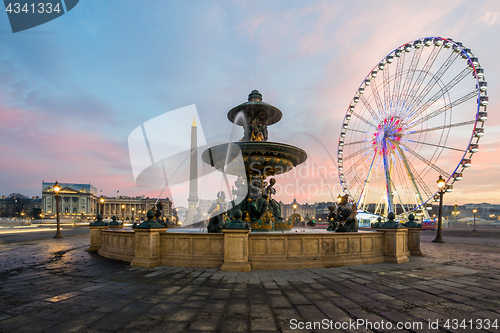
x=254, y=108
x=260, y=157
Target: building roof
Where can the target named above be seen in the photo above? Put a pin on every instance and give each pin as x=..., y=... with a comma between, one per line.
x=86, y=188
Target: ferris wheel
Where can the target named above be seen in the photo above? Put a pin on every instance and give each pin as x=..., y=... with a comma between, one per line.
x=418, y=114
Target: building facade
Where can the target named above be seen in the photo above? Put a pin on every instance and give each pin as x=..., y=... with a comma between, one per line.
x=29, y=207
x=75, y=200
x=304, y=210
x=133, y=209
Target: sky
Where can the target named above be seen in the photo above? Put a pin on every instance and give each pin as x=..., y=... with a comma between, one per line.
x=72, y=90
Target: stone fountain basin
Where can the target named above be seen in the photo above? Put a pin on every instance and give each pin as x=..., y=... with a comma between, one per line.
x=260, y=157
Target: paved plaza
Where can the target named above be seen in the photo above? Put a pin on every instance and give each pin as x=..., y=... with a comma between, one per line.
x=54, y=285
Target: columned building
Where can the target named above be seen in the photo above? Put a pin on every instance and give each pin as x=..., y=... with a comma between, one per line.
x=304, y=210
x=75, y=200
x=133, y=208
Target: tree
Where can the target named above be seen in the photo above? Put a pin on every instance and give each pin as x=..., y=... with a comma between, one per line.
x=17, y=203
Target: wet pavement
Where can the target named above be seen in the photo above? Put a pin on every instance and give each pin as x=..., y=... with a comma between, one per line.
x=54, y=285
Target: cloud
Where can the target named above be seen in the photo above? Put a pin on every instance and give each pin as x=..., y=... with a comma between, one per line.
x=490, y=18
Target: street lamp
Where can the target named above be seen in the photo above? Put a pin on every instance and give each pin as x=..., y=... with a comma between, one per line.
x=139, y=212
x=102, y=205
x=57, y=189
x=339, y=199
x=456, y=213
x=294, y=208
x=474, y=211
x=133, y=220
x=441, y=185
x=123, y=213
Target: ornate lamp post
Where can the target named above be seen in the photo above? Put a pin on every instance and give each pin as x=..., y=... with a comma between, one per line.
x=123, y=213
x=441, y=185
x=57, y=189
x=101, y=200
x=474, y=211
x=339, y=199
x=133, y=220
x=294, y=209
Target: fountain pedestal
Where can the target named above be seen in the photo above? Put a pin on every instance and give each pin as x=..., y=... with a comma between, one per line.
x=414, y=241
x=147, y=247
x=236, y=250
x=395, y=245
x=95, y=237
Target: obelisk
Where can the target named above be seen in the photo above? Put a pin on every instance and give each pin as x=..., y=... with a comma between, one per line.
x=193, y=175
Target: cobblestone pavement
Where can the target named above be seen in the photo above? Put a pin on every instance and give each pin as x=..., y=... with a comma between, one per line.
x=54, y=285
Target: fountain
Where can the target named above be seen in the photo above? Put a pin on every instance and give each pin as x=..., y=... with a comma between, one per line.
x=262, y=159
x=236, y=248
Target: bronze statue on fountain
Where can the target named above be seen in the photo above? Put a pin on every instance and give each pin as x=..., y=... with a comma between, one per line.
x=218, y=212
x=342, y=216
x=261, y=159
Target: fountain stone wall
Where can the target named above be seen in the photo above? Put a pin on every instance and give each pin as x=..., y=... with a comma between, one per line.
x=271, y=250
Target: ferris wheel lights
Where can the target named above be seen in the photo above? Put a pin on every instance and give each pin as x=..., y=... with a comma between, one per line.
x=361, y=91
x=448, y=44
x=466, y=53
x=398, y=53
x=483, y=86
x=367, y=82
x=381, y=66
x=356, y=99
x=484, y=100
x=389, y=59
x=479, y=132
x=347, y=117
x=342, y=134
x=374, y=74
x=473, y=148
x=438, y=42
x=479, y=73
x=457, y=47
x=418, y=44
x=345, y=125
x=351, y=108
x=466, y=163
x=483, y=116
x=473, y=62
x=428, y=41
